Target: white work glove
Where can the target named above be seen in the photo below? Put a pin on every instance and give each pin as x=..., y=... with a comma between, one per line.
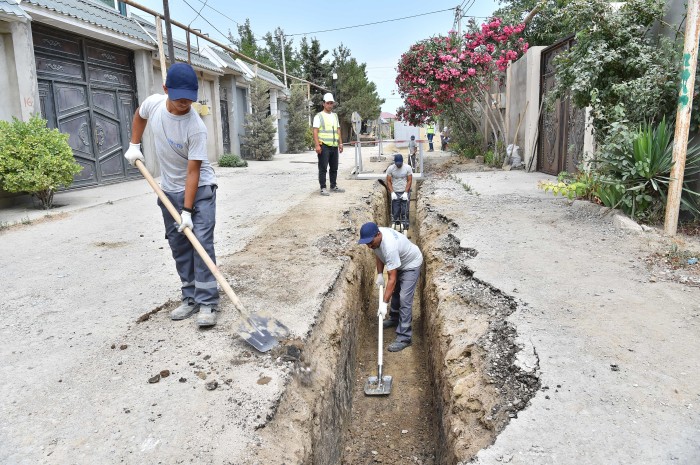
x=186, y=221
x=393, y=196
x=404, y=196
x=382, y=309
x=134, y=153
x=380, y=279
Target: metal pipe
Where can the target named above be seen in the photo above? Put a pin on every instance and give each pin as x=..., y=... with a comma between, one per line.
x=168, y=31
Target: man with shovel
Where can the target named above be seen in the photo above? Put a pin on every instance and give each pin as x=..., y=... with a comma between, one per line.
x=403, y=261
x=188, y=181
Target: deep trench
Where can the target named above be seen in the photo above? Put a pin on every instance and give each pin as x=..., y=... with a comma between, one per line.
x=448, y=400
x=401, y=427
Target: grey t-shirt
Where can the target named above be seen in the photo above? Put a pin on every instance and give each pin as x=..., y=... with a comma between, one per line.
x=399, y=176
x=177, y=140
x=412, y=147
x=397, y=252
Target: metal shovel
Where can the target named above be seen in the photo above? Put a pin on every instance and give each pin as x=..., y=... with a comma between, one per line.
x=379, y=385
x=259, y=331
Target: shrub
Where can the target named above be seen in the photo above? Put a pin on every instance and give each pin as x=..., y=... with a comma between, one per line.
x=635, y=170
x=35, y=159
x=229, y=160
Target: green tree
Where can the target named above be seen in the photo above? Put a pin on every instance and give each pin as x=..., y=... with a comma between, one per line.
x=35, y=159
x=355, y=92
x=247, y=45
x=273, y=49
x=298, y=122
x=626, y=74
x=259, y=124
x=549, y=21
x=316, y=69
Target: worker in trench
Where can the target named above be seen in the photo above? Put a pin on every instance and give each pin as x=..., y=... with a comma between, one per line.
x=402, y=260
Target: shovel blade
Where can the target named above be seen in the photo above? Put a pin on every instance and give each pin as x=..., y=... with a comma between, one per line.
x=373, y=387
x=262, y=331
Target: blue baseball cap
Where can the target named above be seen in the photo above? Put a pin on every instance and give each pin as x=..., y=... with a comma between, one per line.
x=182, y=82
x=367, y=233
x=398, y=158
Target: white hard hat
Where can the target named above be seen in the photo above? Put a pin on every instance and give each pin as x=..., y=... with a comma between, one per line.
x=328, y=97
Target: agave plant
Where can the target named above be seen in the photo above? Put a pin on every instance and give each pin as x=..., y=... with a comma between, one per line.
x=637, y=179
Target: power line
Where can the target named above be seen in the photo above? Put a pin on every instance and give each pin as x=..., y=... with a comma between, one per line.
x=369, y=24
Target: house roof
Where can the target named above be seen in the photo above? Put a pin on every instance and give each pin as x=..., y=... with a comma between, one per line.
x=262, y=74
x=387, y=115
x=12, y=8
x=180, y=48
x=94, y=13
x=227, y=59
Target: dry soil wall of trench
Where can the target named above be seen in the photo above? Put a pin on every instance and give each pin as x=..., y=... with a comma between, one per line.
x=477, y=384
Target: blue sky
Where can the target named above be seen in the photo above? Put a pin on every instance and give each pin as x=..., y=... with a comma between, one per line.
x=380, y=45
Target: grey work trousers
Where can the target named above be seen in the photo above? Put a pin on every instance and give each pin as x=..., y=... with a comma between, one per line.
x=399, y=209
x=402, y=303
x=198, y=282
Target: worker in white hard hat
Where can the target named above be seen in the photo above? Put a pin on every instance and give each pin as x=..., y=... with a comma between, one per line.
x=328, y=144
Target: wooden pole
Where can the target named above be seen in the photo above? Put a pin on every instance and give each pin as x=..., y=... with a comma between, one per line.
x=161, y=53
x=685, y=105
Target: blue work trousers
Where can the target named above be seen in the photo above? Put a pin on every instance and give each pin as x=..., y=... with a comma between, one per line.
x=402, y=303
x=399, y=209
x=197, y=281
x=430, y=141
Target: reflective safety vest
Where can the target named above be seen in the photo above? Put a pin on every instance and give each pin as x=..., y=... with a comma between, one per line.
x=328, y=128
x=430, y=129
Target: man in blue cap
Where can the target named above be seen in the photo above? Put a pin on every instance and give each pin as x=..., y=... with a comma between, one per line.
x=399, y=178
x=188, y=181
x=402, y=260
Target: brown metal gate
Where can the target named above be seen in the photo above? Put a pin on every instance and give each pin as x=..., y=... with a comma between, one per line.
x=562, y=127
x=87, y=90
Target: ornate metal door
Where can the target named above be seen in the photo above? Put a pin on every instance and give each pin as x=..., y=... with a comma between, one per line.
x=86, y=89
x=562, y=127
x=225, y=128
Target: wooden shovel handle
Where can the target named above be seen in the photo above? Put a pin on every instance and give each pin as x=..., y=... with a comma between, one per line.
x=193, y=239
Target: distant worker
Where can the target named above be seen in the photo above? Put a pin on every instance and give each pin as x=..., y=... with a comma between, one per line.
x=412, y=151
x=444, y=138
x=399, y=178
x=403, y=261
x=326, y=129
x=430, y=131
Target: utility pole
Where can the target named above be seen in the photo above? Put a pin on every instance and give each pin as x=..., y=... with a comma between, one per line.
x=168, y=31
x=458, y=16
x=685, y=105
x=284, y=64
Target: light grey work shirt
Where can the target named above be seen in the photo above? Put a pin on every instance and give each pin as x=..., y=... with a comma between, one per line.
x=399, y=176
x=397, y=252
x=178, y=139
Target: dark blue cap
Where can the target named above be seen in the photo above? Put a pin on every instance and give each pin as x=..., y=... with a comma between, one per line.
x=367, y=233
x=182, y=82
x=398, y=158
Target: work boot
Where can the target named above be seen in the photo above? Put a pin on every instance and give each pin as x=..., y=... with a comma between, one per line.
x=324, y=191
x=397, y=346
x=390, y=323
x=207, y=316
x=186, y=309
x=337, y=190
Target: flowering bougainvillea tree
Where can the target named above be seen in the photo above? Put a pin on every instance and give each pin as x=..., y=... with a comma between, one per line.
x=442, y=72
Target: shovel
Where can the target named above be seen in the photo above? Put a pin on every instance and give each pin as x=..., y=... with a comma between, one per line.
x=257, y=330
x=379, y=385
